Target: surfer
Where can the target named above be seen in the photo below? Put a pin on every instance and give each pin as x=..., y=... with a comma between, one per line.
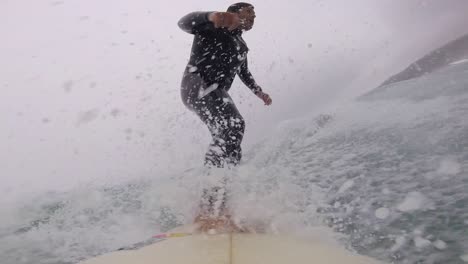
x=219, y=53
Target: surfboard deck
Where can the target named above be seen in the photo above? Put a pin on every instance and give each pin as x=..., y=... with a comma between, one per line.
x=234, y=248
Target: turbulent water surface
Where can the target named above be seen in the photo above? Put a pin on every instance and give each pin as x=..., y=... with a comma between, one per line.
x=389, y=172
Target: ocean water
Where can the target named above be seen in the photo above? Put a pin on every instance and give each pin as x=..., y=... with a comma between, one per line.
x=387, y=173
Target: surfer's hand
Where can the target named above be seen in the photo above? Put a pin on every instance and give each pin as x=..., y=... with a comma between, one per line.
x=265, y=97
x=227, y=20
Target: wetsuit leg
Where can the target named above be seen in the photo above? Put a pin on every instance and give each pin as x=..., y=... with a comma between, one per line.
x=220, y=114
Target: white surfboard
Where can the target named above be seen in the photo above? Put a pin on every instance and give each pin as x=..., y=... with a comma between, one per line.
x=234, y=248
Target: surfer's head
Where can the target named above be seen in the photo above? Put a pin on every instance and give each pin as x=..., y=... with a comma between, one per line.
x=246, y=14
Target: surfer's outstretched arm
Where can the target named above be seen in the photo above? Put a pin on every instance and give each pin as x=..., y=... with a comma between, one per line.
x=196, y=22
x=247, y=78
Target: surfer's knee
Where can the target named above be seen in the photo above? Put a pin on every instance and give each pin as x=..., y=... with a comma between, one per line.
x=236, y=126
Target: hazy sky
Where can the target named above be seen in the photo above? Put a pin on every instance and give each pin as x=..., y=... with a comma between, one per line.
x=90, y=89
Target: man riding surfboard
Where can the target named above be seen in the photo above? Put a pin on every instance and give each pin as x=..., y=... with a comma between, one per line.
x=219, y=53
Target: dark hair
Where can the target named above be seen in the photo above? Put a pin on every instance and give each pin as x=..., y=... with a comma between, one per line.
x=234, y=8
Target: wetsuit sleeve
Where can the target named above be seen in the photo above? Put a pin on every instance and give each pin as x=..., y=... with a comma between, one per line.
x=247, y=78
x=196, y=22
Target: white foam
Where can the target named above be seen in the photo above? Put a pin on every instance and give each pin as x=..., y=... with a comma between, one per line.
x=399, y=242
x=417, y=232
x=464, y=257
x=382, y=213
x=449, y=167
x=459, y=62
x=439, y=244
x=346, y=185
x=414, y=201
x=420, y=242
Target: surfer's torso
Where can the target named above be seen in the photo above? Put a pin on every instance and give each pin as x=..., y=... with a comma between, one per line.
x=217, y=54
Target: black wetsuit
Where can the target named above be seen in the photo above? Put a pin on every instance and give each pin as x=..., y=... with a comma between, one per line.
x=217, y=56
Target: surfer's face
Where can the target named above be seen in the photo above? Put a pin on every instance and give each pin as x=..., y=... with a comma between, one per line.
x=247, y=16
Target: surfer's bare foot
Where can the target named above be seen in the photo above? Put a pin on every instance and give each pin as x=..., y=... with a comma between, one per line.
x=223, y=224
